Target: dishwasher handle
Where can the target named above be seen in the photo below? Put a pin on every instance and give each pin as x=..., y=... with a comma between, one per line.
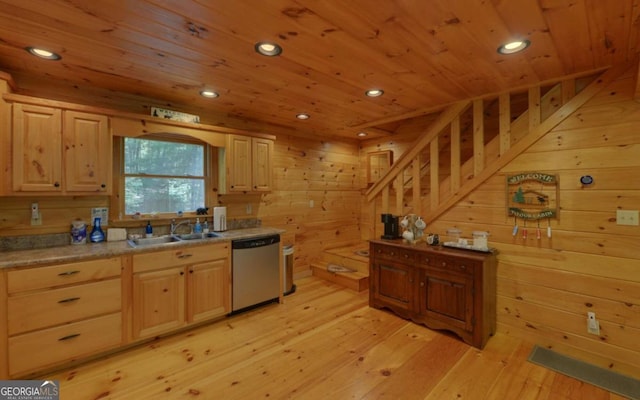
x=254, y=242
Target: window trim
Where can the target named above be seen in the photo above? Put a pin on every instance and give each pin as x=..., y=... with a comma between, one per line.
x=118, y=197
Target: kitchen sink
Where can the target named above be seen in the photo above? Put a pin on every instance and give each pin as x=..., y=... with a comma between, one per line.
x=170, y=239
x=154, y=240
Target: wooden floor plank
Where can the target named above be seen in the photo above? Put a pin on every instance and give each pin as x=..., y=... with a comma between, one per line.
x=323, y=342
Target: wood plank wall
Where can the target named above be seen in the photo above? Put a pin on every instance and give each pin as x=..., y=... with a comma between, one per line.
x=326, y=173
x=546, y=287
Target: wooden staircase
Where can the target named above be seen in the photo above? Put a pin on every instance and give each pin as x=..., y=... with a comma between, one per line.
x=467, y=143
x=470, y=141
x=348, y=256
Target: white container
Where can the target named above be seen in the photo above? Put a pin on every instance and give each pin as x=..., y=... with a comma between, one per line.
x=78, y=232
x=480, y=240
x=219, y=219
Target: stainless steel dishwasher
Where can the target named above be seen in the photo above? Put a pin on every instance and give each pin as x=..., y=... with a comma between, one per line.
x=255, y=265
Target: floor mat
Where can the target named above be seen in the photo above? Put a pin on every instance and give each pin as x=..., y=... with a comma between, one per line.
x=603, y=378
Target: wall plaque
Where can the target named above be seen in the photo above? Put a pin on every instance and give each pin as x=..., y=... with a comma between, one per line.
x=532, y=195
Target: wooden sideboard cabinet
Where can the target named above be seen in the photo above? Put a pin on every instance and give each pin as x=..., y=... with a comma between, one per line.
x=63, y=312
x=439, y=287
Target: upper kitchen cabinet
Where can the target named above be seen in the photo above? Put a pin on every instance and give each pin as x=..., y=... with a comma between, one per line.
x=56, y=151
x=247, y=164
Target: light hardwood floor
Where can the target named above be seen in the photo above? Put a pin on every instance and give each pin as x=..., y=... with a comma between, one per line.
x=323, y=343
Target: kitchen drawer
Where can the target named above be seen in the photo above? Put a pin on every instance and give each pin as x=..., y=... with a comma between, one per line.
x=182, y=256
x=394, y=253
x=37, y=310
x=62, y=274
x=455, y=265
x=38, y=349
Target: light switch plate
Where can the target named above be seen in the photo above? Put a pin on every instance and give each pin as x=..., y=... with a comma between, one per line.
x=627, y=217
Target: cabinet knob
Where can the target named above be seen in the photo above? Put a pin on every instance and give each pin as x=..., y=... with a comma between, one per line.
x=181, y=272
x=422, y=284
x=56, y=184
x=444, y=263
x=104, y=185
x=463, y=267
x=406, y=256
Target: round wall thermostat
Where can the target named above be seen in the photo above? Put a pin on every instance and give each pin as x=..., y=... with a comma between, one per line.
x=586, y=180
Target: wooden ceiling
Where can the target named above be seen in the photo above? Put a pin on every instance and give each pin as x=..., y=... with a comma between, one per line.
x=424, y=54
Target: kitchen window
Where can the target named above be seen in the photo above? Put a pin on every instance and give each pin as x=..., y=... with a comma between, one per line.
x=163, y=176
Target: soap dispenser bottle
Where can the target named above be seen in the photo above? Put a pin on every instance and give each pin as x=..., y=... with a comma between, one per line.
x=197, y=228
x=97, y=235
x=148, y=232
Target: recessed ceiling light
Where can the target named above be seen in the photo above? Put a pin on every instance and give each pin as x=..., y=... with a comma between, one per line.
x=303, y=116
x=362, y=134
x=268, y=49
x=208, y=93
x=42, y=53
x=514, y=47
x=374, y=92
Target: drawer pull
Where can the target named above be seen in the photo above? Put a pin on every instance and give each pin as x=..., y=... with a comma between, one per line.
x=69, y=337
x=68, y=273
x=69, y=300
x=185, y=255
x=406, y=255
x=422, y=284
x=463, y=267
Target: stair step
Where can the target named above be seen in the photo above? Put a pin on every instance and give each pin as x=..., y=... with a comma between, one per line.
x=349, y=256
x=358, y=280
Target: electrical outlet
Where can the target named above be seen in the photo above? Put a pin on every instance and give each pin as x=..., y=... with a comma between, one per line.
x=627, y=217
x=593, y=326
x=249, y=209
x=311, y=204
x=36, y=216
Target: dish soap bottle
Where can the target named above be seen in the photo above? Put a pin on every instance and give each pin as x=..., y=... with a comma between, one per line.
x=205, y=226
x=148, y=232
x=197, y=228
x=97, y=235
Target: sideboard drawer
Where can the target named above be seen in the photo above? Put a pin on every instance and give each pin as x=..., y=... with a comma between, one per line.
x=455, y=265
x=394, y=253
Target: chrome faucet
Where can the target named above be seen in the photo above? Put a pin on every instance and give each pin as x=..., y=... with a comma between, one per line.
x=174, y=226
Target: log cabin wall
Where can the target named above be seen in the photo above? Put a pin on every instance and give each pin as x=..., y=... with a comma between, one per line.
x=547, y=286
x=316, y=197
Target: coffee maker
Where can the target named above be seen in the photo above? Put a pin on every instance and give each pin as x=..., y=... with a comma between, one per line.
x=391, y=226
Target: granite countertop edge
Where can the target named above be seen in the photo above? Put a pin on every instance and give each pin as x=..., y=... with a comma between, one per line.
x=81, y=252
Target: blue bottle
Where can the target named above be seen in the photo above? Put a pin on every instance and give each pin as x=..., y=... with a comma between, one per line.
x=97, y=235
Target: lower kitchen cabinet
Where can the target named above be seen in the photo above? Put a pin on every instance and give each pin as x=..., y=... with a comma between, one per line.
x=441, y=288
x=174, y=288
x=60, y=313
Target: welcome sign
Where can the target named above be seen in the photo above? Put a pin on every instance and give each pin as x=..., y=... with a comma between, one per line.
x=532, y=195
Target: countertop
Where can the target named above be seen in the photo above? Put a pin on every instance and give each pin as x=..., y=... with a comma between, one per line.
x=79, y=252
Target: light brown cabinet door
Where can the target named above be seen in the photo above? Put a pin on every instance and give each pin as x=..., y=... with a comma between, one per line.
x=239, y=163
x=262, y=153
x=87, y=152
x=37, y=149
x=208, y=290
x=158, y=301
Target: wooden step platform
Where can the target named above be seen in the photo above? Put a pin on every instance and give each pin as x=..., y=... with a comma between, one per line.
x=358, y=281
x=352, y=256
